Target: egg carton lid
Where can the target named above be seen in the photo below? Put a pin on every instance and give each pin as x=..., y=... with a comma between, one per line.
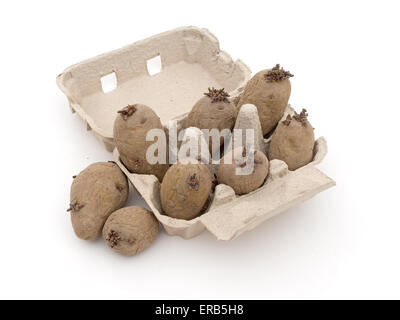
x=168, y=72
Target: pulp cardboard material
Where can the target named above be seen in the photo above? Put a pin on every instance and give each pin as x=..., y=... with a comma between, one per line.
x=191, y=61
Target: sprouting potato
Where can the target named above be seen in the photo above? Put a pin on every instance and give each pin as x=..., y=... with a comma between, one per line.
x=185, y=190
x=130, y=130
x=293, y=141
x=96, y=192
x=269, y=91
x=243, y=183
x=130, y=230
x=213, y=111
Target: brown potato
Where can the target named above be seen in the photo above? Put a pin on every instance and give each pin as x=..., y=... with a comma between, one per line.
x=213, y=111
x=269, y=91
x=130, y=130
x=293, y=141
x=96, y=192
x=246, y=183
x=130, y=230
x=185, y=190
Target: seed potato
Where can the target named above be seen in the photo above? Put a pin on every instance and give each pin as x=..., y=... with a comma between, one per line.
x=242, y=184
x=213, y=111
x=130, y=230
x=269, y=91
x=185, y=190
x=96, y=192
x=293, y=141
x=130, y=130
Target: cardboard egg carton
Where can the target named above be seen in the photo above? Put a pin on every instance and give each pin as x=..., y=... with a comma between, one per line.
x=229, y=215
x=191, y=61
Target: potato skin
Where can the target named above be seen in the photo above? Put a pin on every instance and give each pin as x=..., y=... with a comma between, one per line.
x=293, y=144
x=206, y=114
x=130, y=140
x=98, y=190
x=270, y=98
x=130, y=230
x=243, y=184
x=185, y=190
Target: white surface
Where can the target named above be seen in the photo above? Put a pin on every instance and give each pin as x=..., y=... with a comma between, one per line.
x=342, y=244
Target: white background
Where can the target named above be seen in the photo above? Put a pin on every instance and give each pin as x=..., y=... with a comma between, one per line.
x=344, y=243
